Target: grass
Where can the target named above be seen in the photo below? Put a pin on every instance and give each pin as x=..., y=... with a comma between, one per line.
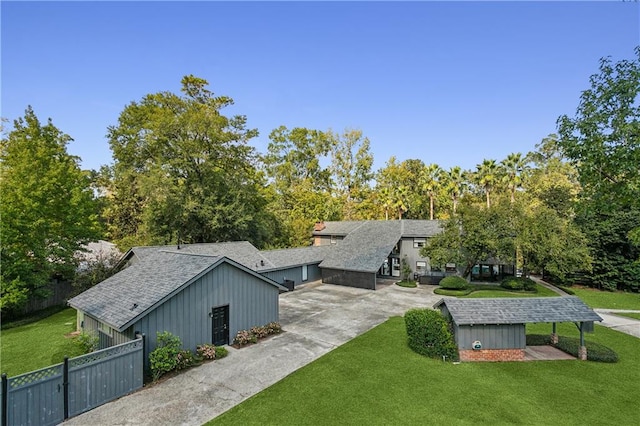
x=409, y=284
x=38, y=344
x=491, y=290
x=608, y=299
x=369, y=382
x=633, y=315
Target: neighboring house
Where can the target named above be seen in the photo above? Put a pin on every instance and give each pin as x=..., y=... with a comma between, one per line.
x=97, y=251
x=201, y=298
x=494, y=329
x=365, y=250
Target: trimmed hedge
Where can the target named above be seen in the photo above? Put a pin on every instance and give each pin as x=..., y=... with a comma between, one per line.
x=408, y=284
x=429, y=334
x=518, y=283
x=453, y=283
x=571, y=345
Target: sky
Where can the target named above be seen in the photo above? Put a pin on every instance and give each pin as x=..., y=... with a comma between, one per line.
x=447, y=83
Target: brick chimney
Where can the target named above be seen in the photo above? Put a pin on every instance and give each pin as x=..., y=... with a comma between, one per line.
x=319, y=226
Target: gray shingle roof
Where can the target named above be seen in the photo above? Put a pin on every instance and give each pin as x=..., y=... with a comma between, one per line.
x=242, y=252
x=132, y=292
x=365, y=248
x=287, y=258
x=339, y=227
x=421, y=228
x=518, y=310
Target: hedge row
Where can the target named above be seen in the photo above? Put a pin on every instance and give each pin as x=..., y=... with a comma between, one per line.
x=571, y=345
x=429, y=334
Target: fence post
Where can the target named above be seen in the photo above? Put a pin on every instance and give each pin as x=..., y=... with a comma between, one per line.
x=65, y=386
x=5, y=389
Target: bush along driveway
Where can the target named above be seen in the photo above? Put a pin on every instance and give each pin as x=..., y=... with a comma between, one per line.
x=315, y=320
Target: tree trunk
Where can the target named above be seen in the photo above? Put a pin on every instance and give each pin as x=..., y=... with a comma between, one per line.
x=488, y=200
x=431, y=205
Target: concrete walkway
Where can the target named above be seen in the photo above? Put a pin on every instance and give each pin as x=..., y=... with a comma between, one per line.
x=624, y=324
x=316, y=319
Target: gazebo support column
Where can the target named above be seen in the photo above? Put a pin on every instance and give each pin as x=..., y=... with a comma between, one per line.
x=582, y=352
x=554, y=334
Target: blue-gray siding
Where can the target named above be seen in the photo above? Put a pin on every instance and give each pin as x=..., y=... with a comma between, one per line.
x=295, y=274
x=252, y=302
x=502, y=336
x=365, y=280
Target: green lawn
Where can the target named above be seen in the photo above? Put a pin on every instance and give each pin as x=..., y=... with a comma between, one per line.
x=608, y=299
x=377, y=379
x=629, y=315
x=38, y=344
x=488, y=291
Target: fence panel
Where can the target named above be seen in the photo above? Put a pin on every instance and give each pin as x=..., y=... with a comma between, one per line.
x=36, y=398
x=102, y=376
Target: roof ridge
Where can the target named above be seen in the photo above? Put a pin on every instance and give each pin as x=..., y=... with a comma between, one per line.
x=177, y=251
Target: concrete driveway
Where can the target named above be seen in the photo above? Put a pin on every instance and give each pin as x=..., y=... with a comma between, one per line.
x=316, y=319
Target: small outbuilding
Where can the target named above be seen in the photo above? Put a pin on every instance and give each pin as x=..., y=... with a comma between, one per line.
x=199, y=298
x=494, y=329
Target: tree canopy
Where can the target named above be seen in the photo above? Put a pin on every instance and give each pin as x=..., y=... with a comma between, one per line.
x=47, y=208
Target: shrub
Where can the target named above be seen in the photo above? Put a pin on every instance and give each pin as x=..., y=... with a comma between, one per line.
x=274, y=328
x=409, y=284
x=518, y=283
x=595, y=351
x=221, y=352
x=571, y=345
x=538, y=339
x=453, y=282
x=165, y=357
x=88, y=342
x=184, y=359
x=259, y=332
x=206, y=351
x=244, y=337
x=429, y=334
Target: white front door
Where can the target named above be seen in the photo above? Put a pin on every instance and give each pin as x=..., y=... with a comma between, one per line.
x=304, y=273
x=395, y=267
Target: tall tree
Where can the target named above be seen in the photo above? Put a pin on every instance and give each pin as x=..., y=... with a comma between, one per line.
x=390, y=182
x=487, y=177
x=455, y=183
x=514, y=168
x=47, y=208
x=430, y=184
x=351, y=163
x=186, y=170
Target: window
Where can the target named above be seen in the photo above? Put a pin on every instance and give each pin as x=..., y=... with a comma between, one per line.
x=421, y=267
x=104, y=328
x=419, y=242
x=335, y=239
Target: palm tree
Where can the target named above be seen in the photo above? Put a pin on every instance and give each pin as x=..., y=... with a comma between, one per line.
x=515, y=166
x=430, y=183
x=454, y=182
x=487, y=175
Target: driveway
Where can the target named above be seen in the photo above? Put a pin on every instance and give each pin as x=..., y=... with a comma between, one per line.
x=316, y=318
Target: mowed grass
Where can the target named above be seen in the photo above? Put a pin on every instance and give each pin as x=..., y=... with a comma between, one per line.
x=608, y=299
x=629, y=315
x=38, y=344
x=376, y=379
x=484, y=294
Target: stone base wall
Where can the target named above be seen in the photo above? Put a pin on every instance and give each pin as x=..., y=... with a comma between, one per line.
x=492, y=355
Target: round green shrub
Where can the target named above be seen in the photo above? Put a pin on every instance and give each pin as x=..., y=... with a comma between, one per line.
x=453, y=282
x=221, y=352
x=429, y=334
x=518, y=283
x=164, y=358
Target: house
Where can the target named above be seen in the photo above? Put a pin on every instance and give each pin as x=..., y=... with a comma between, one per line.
x=494, y=329
x=202, y=298
x=364, y=251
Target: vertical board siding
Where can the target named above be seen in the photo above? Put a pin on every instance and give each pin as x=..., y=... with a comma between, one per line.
x=313, y=274
x=251, y=302
x=99, y=377
x=502, y=336
x=36, y=398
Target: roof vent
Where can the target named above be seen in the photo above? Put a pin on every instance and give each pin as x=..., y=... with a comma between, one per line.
x=135, y=305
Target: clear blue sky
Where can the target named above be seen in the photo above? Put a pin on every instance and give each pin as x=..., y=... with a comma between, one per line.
x=450, y=83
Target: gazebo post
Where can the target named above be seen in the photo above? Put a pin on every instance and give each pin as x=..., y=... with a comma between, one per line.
x=554, y=334
x=582, y=352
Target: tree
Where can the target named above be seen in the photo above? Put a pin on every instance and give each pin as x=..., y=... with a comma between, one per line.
x=603, y=139
x=185, y=173
x=390, y=183
x=48, y=211
x=430, y=183
x=487, y=176
x=603, y=142
x=351, y=162
x=455, y=183
x=514, y=168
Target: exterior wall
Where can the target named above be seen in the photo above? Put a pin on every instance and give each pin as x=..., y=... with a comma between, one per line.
x=107, y=339
x=413, y=254
x=295, y=274
x=325, y=240
x=252, y=302
x=365, y=280
x=492, y=355
x=503, y=336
